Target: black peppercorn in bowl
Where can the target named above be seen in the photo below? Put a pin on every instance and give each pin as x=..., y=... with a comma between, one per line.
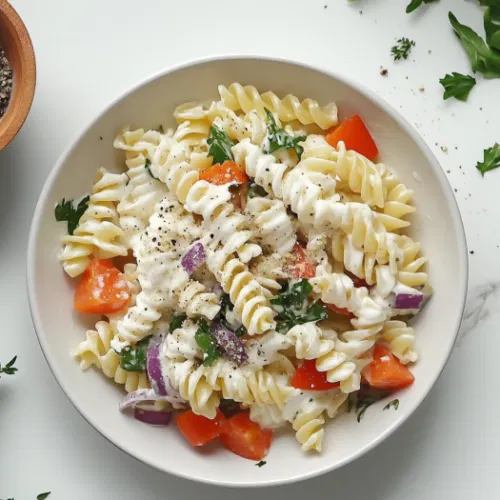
x=17, y=73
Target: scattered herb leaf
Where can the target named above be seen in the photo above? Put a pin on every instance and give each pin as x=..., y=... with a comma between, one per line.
x=9, y=368
x=66, y=211
x=293, y=307
x=261, y=463
x=394, y=404
x=255, y=191
x=415, y=4
x=482, y=58
x=360, y=401
x=457, y=85
x=206, y=343
x=42, y=496
x=220, y=145
x=227, y=306
x=402, y=49
x=133, y=359
x=277, y=138
x=491, y=159
x=492, y=25
x=161, y=129
x=177, y=322
x=148, y=168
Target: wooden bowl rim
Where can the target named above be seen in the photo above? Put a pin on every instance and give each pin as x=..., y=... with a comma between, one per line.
x=16, y=115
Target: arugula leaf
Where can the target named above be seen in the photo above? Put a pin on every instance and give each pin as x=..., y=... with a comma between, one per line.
x=394, y=403
x=492, y=25
x=133, y=359
x=491, y=159
x=415, y=4
x=206, y=343
x=43, y=496
x=278, y=138
x=177, y=322
x=148, y=168
x=254, y=190
x=402, y=48
x=482, y=58
x=457, y=85
x=9, y=368
x=66, y=211
x=293, y=307
x=261, y=463
x=220, y=145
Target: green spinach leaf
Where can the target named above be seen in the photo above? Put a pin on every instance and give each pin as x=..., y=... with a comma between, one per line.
x=177, y=322
x=133, y=359
x=206, y=343
x=278, y=138
x=457, y=85
x=491, y=159
x=492, y=26
x=220, y=145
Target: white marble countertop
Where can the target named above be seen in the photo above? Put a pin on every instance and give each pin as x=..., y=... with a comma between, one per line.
x=88, y=52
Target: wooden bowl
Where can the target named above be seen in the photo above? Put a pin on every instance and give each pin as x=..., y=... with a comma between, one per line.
x=18, y=48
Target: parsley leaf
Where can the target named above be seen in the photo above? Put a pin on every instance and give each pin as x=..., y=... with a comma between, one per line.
x=66, y=211
x=492, y=25
x=482, y=58
x=278, y=138
x=9, y=368
x=457, y=85
x=394, y=403
x=148, y=168
x=206, y=343
x=42, y=496
x=362, y=400
x=177, y=322
x=402, y=49
x=415, y=4
x=261, y=463
x=491, y=159
x=133, y=359
x=293, y=307
x=220, y=145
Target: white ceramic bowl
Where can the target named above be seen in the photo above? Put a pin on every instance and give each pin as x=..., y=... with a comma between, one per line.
x=437, y=224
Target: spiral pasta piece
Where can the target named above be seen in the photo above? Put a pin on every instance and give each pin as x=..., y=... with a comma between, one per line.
x=268, y=271
x=288, y=109
x=410, y=265
x=181, y=344
x=98, y=232
x=401, y=340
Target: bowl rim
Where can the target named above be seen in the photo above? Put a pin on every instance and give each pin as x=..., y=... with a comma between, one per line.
x=18, y=115
x=413, y=404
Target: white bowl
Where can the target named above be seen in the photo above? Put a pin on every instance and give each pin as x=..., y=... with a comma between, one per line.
x=437, y=224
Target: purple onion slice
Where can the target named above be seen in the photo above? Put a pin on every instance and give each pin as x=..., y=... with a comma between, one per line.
x=408, y=301
x=151, y=417
x=153, y=367
x=228, y=342
x=194, y=257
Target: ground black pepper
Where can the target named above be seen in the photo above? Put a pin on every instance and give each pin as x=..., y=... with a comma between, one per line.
x=5, y=82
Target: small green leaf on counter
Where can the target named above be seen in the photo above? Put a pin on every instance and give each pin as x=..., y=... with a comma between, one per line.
x=9, y=368
x=491, y=159
x=278, y=138
x=206, y=343
x=402, y=49
x=177, y=322
x=394, y=404
x=482, y=58
x=133, y=359
x=220, y=145
x=415, y=4
x=42, y=496
x=66, y=211
x=261, y=463
x=457, y=85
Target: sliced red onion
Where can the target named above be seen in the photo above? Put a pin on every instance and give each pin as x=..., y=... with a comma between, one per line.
x=194, y=257
x=228, y=342
x=153, y=366
x=143, y=396
x=160, y=418
x=408, y=301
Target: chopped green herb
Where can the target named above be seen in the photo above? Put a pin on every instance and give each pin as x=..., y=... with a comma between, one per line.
x=360, y=401
x=206, y=343
x=293, y=307
x=42, y=496
x=9, y=368
x=491, y=159
x=415, y=4
x=492, y=24
x=402, y=49
x=148, y=168
x=133, y=359
x=278, y=138
x=261, y=463
x=482, y=58
x=394, y=404
x=177, y=322
x=227, y=306
x=457, y=85
x=220, y=145
x=66, y=211
x=255, y=191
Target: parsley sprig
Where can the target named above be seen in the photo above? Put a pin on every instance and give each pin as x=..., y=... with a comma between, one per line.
x=66, y=211
x=402, y=49
x=491, y=159
x=457, y=85
x=220, y=145
x=279, y=139
x=9, y=368
x=133, y=359
x=293, y=307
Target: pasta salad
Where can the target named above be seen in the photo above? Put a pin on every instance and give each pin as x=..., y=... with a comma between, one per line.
x=251, y=270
